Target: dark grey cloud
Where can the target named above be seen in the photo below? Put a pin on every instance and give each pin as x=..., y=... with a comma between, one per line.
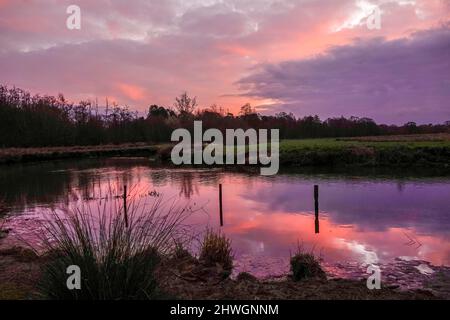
x=391, y=81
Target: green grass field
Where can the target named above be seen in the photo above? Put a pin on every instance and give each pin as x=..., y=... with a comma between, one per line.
x=414, y=150
x=341, y=143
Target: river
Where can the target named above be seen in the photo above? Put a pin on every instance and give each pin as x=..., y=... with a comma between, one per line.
x=363, y=218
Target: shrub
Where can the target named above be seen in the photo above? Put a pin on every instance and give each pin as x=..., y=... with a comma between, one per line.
x=305, y=265
x=117, y=261
x=216, y=249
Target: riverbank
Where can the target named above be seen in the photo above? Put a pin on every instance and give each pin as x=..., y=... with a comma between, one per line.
x=387, y=151
x=432, y=150
x=22, y=155
x=186, y=278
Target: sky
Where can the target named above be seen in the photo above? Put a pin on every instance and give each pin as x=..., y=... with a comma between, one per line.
x=302, y=56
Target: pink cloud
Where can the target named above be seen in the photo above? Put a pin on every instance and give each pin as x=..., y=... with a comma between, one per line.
x=132, y=92
x=168, y=46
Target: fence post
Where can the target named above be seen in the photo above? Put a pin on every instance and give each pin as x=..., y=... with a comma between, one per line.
x=220, y=205
x=125, y=205
x=316, y=207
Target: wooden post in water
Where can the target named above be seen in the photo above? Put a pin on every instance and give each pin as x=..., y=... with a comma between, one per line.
x=316, y=207
x=220, y=205
x=125, y=205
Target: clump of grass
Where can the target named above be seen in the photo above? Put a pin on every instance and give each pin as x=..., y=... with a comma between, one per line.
x=117, y=259
x=305, y=265
x=216, y=250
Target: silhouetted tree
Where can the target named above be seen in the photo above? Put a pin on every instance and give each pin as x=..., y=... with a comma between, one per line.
x=185, y=105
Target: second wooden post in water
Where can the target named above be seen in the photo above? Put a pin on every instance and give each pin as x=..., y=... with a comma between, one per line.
x=316, y=207
x=125, y=205
x=220, y=205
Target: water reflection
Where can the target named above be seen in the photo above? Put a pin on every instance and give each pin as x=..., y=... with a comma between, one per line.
x=356, y=218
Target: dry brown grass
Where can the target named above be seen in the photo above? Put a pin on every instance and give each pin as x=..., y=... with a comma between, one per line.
x=17, y=155
x=216, y=249
x=27, y=151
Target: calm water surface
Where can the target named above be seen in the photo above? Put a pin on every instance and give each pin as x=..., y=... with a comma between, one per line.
x=362, y=219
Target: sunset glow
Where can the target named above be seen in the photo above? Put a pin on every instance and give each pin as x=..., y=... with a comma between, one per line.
x=279, y=55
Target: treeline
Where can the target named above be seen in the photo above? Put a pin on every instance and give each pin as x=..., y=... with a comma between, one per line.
x=39, y=121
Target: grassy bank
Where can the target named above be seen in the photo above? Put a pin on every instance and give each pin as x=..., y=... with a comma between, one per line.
x=431, y=150
x=20, y=155
x=401, y=151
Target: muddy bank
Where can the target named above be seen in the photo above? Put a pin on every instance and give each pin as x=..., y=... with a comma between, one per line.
x=403, y=273
x=187, y=278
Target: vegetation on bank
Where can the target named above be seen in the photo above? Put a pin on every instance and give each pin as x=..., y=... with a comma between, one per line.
x=411, y=151
x=185, y=277
x=216, y=249
x=44, y=121
x=305, y=265
x=21, y=155
x=117, y=250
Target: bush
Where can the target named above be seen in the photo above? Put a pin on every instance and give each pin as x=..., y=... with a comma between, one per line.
x=305, y=265
x=117, y=261
x=216, y=249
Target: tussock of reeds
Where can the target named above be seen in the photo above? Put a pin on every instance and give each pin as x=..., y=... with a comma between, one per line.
x=117, y=259
x=216, y=249
x=305, y=265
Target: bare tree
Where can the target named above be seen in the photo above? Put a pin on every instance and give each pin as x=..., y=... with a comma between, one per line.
x=184, y=104
x=247, y=109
